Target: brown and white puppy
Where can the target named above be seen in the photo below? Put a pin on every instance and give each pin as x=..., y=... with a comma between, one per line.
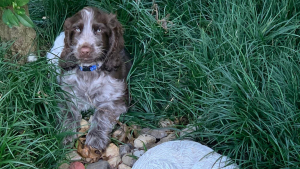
x=94, y=71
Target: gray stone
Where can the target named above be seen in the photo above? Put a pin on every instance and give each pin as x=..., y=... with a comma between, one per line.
x=127, y=159
x=124, y=149
x=170, y=137
x=159, y=133
x=145, y=131
x=99, y=165
x=138, y=153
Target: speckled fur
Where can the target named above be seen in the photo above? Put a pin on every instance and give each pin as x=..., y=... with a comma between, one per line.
x=104, y=89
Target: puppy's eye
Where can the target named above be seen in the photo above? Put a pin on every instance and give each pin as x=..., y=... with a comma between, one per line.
x=77, y=30
x=98, y=30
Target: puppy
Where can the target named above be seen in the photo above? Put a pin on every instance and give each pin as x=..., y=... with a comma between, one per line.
x=94, y=67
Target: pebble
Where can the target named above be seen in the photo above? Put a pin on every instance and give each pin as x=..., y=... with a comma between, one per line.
x=74, y=156
x=128, y=159
x=170, y=137
x=159, y=133
x=114, y=162
x=124, y=149
x=123, y=166
x=144, y=139
x=138, y=153
x=99, y=165
x=112, y=151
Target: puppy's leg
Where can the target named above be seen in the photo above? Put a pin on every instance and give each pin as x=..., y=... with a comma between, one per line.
x=71, y=123
x=103, y=122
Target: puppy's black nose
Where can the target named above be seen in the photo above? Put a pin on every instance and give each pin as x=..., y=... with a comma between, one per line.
x=85, y=50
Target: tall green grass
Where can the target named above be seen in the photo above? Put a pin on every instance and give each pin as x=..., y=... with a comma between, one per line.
x=30, y=134
x=230, y=67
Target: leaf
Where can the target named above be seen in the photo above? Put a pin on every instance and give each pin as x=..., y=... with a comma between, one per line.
x=20, y=11
x=22, y=2
x=5, y=3
x=25, y=20
x=9, y=18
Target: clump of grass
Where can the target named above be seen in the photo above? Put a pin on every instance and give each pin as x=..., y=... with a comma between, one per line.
x=230, y=67
x=30, y=134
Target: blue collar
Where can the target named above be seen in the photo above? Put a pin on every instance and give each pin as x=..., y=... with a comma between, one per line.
x=88, y=68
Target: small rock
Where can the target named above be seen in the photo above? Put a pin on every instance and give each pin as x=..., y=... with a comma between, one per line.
x=138, y=153
x=128, y=159
x=77, y=165
x=99, y=165
x=170, y=137
x=166, y=123
x=84, y=127
x=112, y=151
x=145, y=131
x=123, y=166
x=64, y=166
x=114, y=162
x=159, y=133
x=144, y=139
x=124, y=149
x=74, y=156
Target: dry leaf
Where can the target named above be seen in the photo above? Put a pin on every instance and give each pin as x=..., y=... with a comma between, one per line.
x=90, y=154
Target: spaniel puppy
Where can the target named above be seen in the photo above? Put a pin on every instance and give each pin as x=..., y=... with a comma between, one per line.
x=94, y=68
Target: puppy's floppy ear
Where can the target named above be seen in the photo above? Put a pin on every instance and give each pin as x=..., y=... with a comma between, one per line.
x=116, y=42
x=67, y=58
x=67, y=29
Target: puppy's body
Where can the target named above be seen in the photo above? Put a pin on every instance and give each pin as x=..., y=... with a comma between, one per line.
x=93, y=38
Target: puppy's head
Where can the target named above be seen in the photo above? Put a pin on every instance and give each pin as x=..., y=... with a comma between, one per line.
x=93, y=35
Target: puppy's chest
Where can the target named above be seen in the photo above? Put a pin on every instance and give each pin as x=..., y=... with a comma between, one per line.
x=93, y=86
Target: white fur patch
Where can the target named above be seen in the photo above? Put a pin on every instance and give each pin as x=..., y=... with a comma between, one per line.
x=55, y=52
x=87, y=35
x=57, y=49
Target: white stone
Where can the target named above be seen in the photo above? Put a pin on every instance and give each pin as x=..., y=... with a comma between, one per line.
x=182, y=155
x=138, y=153
x=144, y=139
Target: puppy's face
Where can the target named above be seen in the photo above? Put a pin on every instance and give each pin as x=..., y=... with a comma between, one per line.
x=89, y=34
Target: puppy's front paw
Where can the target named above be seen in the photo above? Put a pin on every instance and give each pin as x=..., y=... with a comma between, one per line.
x=97, y=140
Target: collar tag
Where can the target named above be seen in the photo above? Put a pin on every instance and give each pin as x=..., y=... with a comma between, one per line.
x=88, y=68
